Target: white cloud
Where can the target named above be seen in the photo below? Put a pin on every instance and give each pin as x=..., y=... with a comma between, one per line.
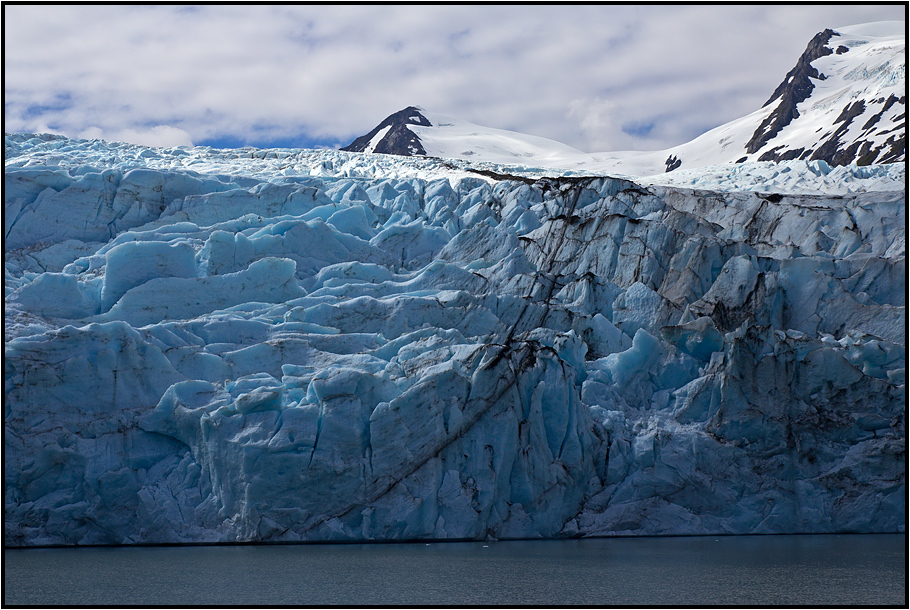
x=159, y=135
x=598, y=122
x=578, y=74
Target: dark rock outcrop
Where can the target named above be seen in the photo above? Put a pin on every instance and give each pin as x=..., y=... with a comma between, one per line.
x=398, y=140
x=795, y=88
x=831, y=150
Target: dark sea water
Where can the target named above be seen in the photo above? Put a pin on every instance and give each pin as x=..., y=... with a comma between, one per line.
x=749, y=570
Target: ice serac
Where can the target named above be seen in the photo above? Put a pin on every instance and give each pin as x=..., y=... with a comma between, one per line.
x=322, y=345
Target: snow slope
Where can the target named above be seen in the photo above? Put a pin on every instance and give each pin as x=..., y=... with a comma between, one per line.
x=280, y=345
x=449, y=137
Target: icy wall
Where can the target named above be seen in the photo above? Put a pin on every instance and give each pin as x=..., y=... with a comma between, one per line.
x=239, y=356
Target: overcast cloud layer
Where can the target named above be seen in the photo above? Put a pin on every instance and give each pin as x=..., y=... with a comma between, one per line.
x=598, y=78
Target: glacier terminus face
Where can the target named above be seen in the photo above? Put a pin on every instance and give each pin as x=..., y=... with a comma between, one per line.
x=283, y=345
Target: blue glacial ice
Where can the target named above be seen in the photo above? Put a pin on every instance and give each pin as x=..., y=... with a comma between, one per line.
x=285, y=345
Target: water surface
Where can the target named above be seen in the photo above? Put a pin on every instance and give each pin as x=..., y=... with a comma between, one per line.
x=749, y=570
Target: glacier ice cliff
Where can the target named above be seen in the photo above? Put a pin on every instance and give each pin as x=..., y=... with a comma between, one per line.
x=285, y=346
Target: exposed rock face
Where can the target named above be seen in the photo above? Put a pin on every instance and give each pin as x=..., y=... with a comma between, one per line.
x=353, y=358
x=795, y=88
x=863, y=152
x=392, y=136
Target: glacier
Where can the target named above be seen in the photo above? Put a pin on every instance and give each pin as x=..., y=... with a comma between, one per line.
x=283, y=345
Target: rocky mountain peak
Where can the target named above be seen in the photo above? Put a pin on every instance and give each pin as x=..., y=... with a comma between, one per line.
x=795, y=88
x=854, y=104
x=392, y=136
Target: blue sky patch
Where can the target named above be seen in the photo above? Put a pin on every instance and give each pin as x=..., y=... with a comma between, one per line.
x=638, y=130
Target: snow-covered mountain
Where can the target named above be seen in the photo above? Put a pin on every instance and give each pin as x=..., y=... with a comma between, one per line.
x=842, y=103
x=284, y=345
x=447, y=137
x=394, y=135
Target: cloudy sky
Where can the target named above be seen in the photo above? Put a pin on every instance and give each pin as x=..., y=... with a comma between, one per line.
x=599, y=78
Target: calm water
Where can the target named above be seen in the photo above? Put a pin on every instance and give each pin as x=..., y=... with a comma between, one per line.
x=790, y=570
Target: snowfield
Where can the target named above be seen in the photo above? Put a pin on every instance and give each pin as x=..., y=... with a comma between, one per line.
x=284, y=345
